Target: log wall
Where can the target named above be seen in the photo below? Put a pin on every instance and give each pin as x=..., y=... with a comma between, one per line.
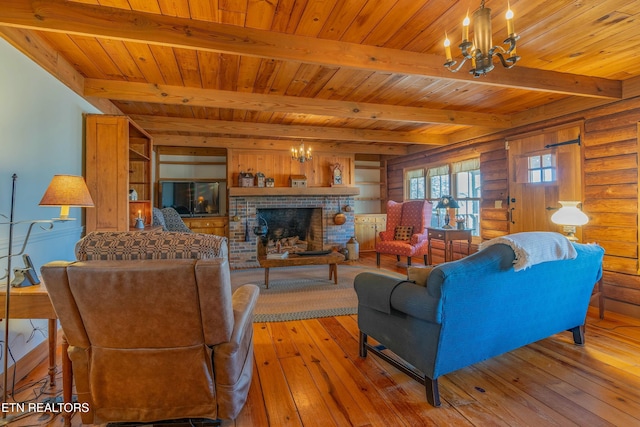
x=610, y=182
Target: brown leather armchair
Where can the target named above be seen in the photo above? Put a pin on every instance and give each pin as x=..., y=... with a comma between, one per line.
x=153, y=339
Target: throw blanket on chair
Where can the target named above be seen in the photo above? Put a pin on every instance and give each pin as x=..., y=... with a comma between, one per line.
x=535, y=247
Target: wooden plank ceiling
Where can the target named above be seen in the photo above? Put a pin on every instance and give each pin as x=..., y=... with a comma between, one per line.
x=362, y=75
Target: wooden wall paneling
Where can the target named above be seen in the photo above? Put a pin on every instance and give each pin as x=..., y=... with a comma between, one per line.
x=611, y=177
x=494, y=221
x=611, y=197
x=612, y=121
x=279, y=165
x=622, y=287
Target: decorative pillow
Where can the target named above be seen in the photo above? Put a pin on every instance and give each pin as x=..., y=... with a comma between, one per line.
x=158, y=218
x=419, y=275
x=173, y=221
x=403, y=232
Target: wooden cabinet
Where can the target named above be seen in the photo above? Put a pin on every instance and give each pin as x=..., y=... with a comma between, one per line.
x=367, y=229
x=118, y=159
x=208, y=225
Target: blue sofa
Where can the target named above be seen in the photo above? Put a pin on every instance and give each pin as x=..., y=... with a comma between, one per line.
x=474, y=309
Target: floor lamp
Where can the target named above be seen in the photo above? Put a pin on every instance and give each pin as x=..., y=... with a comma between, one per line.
x=63, y=191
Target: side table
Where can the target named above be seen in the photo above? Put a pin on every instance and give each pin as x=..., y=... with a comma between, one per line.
x=448, y=236
x=32, y=302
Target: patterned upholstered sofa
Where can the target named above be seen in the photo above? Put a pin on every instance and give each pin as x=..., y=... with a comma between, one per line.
x=135, y=245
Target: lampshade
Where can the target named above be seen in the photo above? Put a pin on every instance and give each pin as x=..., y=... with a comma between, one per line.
x=447, y=202
x=569, y=214
x=66, y=191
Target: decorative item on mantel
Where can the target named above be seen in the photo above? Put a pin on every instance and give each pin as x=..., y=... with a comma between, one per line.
x=245, y=179
x=270, y=182
x=260, y=180
x=336, y=175
x=298, y=181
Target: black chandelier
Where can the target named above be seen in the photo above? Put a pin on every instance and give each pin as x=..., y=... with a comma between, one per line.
x=481, y=51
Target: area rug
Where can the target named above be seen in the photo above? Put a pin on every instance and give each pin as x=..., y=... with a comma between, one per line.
x=304, y=292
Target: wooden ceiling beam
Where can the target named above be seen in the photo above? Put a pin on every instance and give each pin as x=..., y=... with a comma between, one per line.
x=160, y=140
x=212, y=98
x=105, y=22
x=631, y=87
x=161, y=124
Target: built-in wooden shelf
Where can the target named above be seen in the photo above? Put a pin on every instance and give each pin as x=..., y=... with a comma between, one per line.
x=293, y=191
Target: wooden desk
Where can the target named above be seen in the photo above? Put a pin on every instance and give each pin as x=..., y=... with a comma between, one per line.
x=448, y=236
x=32, y=302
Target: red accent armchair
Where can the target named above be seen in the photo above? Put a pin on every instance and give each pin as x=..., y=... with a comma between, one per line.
x=413, y=216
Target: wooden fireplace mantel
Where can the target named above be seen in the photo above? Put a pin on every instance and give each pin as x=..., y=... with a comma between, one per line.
x=292, y=191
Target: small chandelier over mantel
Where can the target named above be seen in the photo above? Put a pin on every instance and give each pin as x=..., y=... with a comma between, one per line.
x=300, y=154
x=481, y=51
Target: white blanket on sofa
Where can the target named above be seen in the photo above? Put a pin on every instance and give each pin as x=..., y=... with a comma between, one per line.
x=535, y=247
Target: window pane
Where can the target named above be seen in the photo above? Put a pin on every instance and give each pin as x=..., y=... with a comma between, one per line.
x=469, y=213
x=439, y=186
x=547, y=160
x=549, y=175
x=535, y=176
x=416, y=188
x=475, y=184
x=534, y=162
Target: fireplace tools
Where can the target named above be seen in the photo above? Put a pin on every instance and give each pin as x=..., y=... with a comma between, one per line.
x=260, y=230
x=247, y=237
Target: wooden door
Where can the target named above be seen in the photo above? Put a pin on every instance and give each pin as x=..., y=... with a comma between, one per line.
x=543, y=170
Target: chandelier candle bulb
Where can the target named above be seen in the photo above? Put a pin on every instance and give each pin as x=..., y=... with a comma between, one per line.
x=510, y=27
x=465, y=28
x=447, y=47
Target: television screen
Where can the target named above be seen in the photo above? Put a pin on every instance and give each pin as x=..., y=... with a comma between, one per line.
x=191, y=197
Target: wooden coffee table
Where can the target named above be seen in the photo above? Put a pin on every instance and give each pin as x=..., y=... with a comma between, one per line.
x=332, y=259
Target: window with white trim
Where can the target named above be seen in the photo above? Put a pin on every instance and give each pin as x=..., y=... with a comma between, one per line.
x=466, y=177
x=415, y=184
x=459, y=179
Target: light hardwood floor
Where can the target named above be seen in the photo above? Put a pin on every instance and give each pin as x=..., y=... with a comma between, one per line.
x=308, y=373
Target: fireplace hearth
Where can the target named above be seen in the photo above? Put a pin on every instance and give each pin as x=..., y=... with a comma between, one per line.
x=291, y=230
x=318, y=232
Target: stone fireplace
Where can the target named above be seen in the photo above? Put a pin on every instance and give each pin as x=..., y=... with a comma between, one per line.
x=281, y=212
